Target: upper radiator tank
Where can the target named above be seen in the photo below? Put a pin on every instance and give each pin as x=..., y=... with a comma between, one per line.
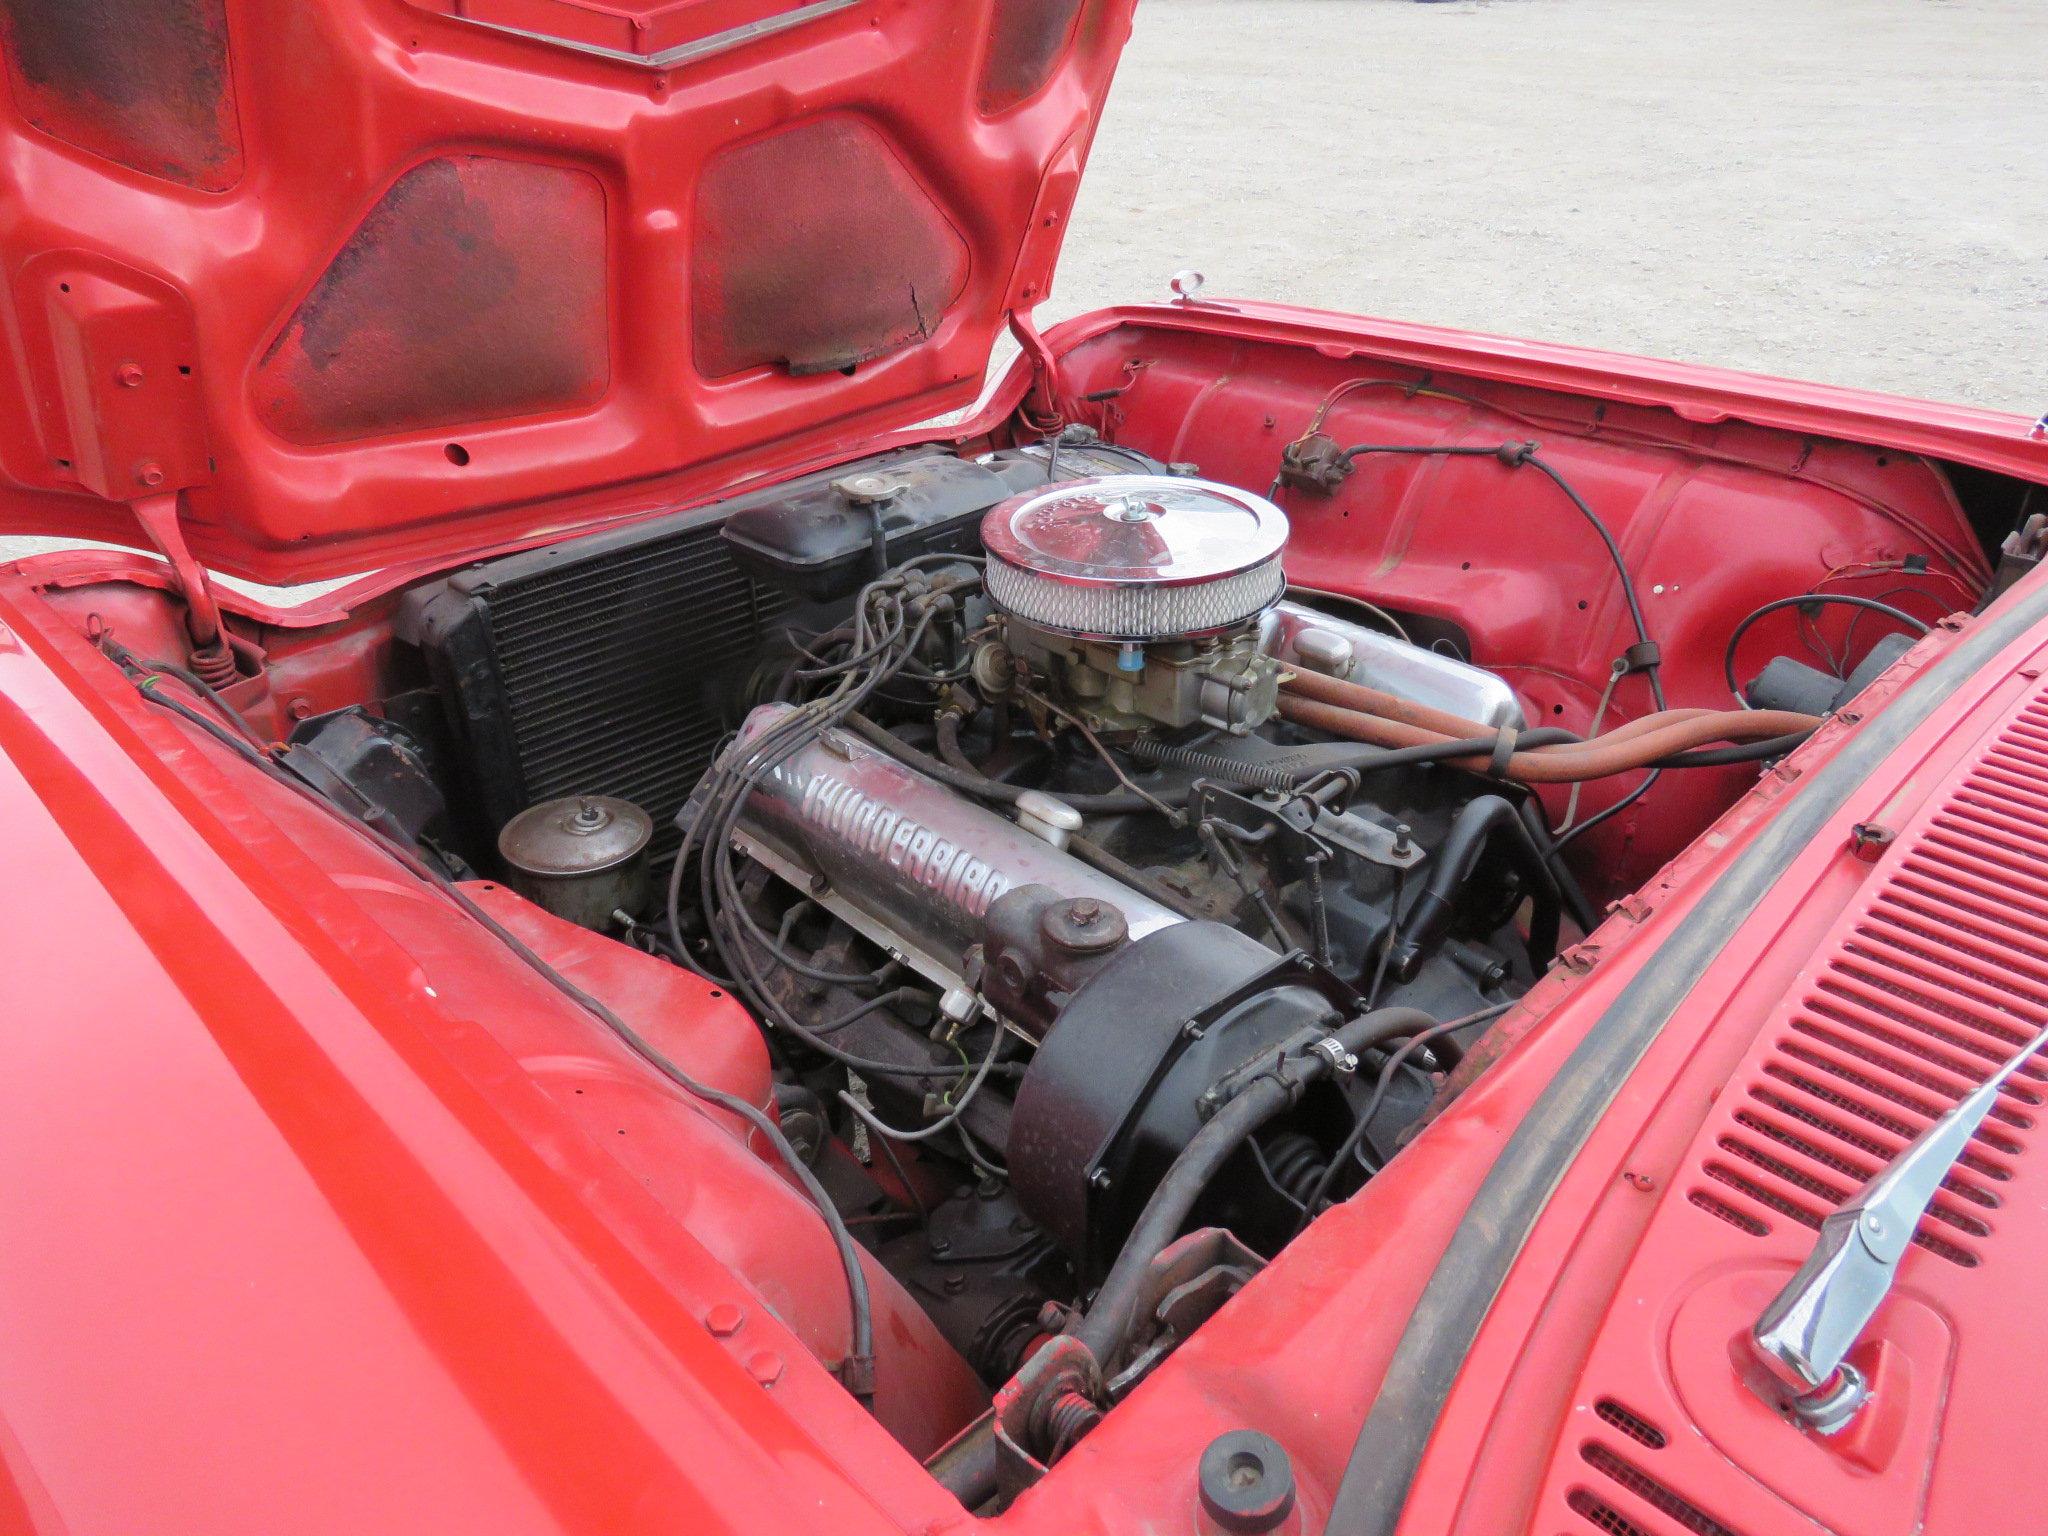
x=1135, y=559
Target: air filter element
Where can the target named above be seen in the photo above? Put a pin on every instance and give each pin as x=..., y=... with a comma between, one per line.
x=1135, y=557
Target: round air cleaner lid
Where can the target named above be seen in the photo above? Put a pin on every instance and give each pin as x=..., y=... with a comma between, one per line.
x=1135, y=557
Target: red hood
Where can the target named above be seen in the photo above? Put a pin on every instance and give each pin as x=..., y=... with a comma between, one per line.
x=370, y=281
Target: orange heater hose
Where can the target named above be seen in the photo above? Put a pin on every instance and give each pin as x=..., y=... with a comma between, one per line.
x=1636, y=745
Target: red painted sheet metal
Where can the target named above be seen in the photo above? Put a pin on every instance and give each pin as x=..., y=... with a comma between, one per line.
x=1935, y=974
x=1712, y=519
x=497, y=352
x=2003, y=441
x=145, y=86
x=290, y=1132
x=1604, y=1393
x=316, y=1214
x=474, y=291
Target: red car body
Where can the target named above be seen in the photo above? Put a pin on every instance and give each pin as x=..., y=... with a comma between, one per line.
x=319, y=1212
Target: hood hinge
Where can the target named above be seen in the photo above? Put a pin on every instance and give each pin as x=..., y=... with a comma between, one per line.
x=213, y=657
x=1041, y=405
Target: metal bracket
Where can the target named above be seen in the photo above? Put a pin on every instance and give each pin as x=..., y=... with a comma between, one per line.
x=1369, y=840
x=1304, y=829
x=1040, y=407
x=1185, y=1286
x=2021, y=551
x=211, y=656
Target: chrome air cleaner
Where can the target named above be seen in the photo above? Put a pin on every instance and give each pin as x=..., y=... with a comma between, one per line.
x=1133, y=601
x=1135, y=559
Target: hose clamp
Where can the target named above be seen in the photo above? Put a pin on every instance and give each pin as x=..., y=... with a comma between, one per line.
x=1342, y=1062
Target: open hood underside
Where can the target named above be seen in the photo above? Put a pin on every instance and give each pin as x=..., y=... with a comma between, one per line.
x=371, y=281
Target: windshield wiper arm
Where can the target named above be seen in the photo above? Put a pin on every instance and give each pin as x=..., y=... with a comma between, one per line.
x=1811, y=1326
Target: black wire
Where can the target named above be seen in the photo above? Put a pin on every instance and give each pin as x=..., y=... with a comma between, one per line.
x=1266, y=1171
x=1849, y=634
x=779, y=952
x=1743, y=752
x=873, y=1005
x=1514, y=455
x=128, y=660
x=754, y=985
x=733, y=777
x=1395, y=918
x=1628, y=585
x=1372, y=1105
x=1840, y=599
x=1571, y=834
x=1707, y=757
x=910, y=1193
x=860, y=1360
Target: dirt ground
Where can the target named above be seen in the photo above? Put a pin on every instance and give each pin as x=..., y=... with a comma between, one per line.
x=1854, y=191
x=1847, y=190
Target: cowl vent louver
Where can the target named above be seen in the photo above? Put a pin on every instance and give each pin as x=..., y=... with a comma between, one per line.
x=1684, y=1515
x=1924, y=984
x=1942, y=976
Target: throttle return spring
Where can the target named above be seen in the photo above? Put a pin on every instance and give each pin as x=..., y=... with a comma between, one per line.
x=1162, y=754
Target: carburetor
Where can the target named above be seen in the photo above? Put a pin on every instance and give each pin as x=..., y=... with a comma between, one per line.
x=1134, y=601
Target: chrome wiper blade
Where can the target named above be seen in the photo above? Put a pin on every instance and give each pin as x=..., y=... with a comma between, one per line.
x=1817, y=1318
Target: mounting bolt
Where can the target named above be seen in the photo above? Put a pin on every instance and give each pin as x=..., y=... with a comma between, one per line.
x=1868, y=840
x=765, y=1367
x=724, y=1319
x=129, y=375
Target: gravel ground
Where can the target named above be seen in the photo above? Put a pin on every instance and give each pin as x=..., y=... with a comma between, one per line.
x=1845, y=190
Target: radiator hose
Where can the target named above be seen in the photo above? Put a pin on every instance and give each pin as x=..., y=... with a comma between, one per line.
x=1428, y=921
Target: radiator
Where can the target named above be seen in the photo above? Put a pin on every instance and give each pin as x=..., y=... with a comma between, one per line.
x=611, y=664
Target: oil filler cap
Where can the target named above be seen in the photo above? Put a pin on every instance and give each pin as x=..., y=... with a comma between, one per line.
x=1247, y=1486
